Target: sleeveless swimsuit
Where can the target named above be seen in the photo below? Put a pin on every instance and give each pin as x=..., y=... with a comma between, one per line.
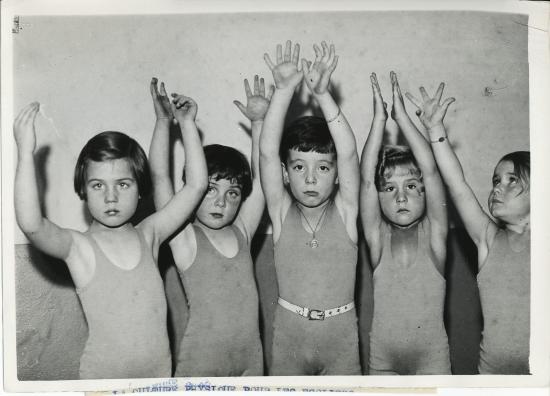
x=408, y=335
x=319, y=278
x=126, y=315
x=222, y=336
x=504, y=290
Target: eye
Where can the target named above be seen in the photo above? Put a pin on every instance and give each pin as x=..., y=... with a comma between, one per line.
x=233, y=194
x=496, y=181
x=298, y=167
x=324, y=168
x=411, y=186
x=211, y=190
x=124, y=185
x=388, y=188
x=97, y=186
x=513, y=180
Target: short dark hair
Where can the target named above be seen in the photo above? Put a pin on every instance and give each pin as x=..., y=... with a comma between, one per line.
x=522, y=166
x=226, y=162
x=112, y=145
x=389, y=158
x=305, y=134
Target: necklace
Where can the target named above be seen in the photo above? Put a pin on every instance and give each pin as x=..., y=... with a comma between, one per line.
x=314, y=242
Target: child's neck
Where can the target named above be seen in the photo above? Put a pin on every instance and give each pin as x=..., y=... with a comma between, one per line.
x=519, y=228
x=314, y=211
x=98, y=227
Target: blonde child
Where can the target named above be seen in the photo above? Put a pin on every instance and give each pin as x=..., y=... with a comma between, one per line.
x=113, y=263
x=405, y=224
x=212, y=254
x=312, y=203
x=503, y=244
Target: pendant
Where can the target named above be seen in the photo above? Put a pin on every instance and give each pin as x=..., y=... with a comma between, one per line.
x=314, y=243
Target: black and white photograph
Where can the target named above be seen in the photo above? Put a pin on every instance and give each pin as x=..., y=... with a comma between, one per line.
x=206, y=196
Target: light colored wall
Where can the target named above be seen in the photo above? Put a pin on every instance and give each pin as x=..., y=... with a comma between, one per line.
x=92, y=74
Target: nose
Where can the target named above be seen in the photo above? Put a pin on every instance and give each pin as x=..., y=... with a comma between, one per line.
x=401, y=197
x=220, y=201
x=111, y=195
x=311, y=178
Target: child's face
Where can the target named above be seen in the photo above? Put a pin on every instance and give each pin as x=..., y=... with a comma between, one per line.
x=221, y=203
x=311, y=176
x=402, y=198
x=509, y=201
x=112, y=192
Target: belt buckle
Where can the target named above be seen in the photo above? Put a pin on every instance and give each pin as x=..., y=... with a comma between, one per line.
x=316, y=314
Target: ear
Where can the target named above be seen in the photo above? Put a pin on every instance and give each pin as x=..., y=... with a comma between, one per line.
x=285, y=173
x=336, y=181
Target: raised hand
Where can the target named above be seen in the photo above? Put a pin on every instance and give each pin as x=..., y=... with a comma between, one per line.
x=398, y=108
x=257, y=102
x=285, y=72
x=183, y=107
x=430, y=111
x=23, y=128
x=161, y=101
x=380, y=112
x=318, y=74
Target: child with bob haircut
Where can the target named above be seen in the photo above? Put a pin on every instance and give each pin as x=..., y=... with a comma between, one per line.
x=312, y=203
x=503, y=244
x=212, y=253
x=404, y=219
x=113, y=263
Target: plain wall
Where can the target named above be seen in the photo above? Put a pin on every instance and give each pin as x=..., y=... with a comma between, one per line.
x=92, y=74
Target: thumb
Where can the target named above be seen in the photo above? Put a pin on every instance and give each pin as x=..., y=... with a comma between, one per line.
x=445, y=105
x=240, y=106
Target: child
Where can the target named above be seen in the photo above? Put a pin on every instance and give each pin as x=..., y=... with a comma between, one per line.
x=502, y=244
x=405, y=223
x=113, y=263
x=314, y=223
x=212, y=254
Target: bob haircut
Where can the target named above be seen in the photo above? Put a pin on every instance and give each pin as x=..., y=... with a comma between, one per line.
x=111, y=145
x=391, y=157
x=225, y=162
x=306, y=134
x=522, y=166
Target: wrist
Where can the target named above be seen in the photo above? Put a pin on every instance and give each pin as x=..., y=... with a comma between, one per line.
x=436, y=129
x=257, y=122
x=164, y=119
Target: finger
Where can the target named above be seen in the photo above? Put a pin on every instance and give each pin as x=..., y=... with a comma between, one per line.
x=375, y=85
x=333, y=64
x=271, y=91
x=296, y=54
x=305, y=66
x=240, y=106
x=326, y=50
x=318, y=52
x=331, y=53
x=288, y=47
x=446, y=103
x=153, y=87
x=256, y=85
x=247, y=88
x=413, y=100
x=424, y=94
x=262, y=87
x=268, y=61
x=439, y=92
x=279, y=54
x=163, y=90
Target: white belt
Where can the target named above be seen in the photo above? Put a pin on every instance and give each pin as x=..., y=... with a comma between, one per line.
x=315, y=314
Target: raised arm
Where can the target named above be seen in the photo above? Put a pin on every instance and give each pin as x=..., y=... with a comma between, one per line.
x=436, y=207
x=177, y=211
x=45, y=235
x=256, y=107
x=159, y=151
x=287, y=77
x=431, y=113
x=317, y=77
x=371, y=217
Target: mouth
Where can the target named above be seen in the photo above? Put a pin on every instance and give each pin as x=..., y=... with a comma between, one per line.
x=403, y=211
x=216, y=215
x=311, y=193
x=112, y=212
